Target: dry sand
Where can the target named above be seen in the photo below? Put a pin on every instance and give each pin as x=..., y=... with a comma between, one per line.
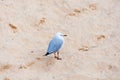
x=91, y=50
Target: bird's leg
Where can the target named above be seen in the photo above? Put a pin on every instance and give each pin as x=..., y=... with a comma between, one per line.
x=58, y=58
x=55, y=55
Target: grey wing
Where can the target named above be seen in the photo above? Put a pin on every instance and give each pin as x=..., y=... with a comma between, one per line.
x=54, y=45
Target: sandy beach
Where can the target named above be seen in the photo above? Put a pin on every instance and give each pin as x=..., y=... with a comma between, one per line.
x=91, y=50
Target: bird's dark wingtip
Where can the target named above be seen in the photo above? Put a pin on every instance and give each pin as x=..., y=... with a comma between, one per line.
x=46, y=54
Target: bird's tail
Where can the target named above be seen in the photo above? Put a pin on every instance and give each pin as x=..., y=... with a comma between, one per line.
x=46, y=54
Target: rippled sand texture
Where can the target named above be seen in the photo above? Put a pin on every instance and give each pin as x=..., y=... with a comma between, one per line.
x=91, y=50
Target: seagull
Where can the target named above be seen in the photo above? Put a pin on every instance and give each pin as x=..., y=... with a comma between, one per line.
x=55, y=45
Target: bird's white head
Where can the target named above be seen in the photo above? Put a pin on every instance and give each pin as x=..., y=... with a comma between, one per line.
x=60, y=34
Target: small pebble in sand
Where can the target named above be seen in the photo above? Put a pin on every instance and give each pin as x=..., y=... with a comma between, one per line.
x=13, y=27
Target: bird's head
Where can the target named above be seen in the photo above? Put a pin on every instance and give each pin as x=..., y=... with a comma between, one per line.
x=60, y=34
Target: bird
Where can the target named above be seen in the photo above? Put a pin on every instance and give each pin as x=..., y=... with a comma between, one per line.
x=55, y=45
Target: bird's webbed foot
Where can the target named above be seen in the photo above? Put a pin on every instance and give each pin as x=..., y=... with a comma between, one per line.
x=59, y=58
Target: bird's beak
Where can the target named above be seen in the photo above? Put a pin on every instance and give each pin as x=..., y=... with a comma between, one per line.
x=65, y=35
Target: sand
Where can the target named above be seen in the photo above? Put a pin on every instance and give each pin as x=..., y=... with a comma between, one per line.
x=91, y=50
